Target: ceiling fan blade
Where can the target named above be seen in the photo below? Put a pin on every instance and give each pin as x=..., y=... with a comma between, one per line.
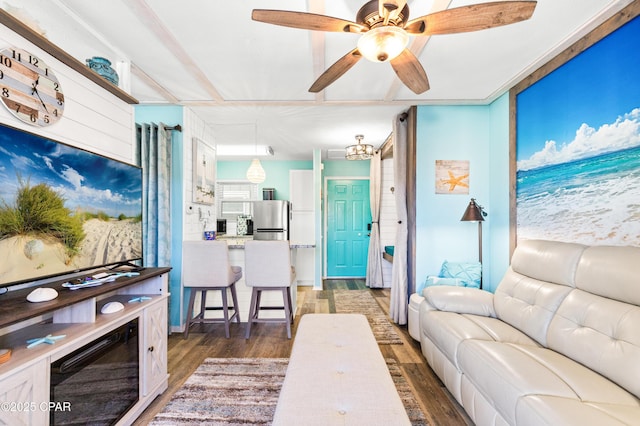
x=306, y=21
x=410, y=71
x=336, y=70
x=472, y=18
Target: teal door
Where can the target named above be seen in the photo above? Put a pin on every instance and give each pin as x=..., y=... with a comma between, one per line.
x=348, y=218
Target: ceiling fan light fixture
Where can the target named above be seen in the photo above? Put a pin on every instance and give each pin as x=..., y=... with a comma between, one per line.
x=383, y=43
x=359, y=151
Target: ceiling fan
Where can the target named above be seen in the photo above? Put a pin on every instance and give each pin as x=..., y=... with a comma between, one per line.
x=385, y=29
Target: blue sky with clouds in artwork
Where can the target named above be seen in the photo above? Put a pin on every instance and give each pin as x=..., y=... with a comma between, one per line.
x=588, y=106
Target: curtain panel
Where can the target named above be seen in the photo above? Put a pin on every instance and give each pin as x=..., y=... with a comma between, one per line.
x=153, y=154
x=398, y=309
x=374, y=260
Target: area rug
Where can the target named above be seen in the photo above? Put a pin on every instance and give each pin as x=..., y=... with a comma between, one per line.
x=244, y=391
x=362, y=302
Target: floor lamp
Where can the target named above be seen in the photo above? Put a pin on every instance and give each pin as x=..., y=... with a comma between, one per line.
x=476, y=213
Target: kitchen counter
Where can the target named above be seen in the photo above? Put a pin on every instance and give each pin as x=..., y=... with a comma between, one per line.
x=237, y=241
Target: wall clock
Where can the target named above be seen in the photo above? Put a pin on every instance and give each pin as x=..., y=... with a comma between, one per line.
x=29, y=88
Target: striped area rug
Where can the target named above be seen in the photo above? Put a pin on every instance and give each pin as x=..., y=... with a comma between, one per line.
x=243, y=391
x=362, y=302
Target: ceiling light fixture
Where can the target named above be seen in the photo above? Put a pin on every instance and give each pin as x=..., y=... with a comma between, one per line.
x=383, y=43
x=255, y=172
x=359, y=151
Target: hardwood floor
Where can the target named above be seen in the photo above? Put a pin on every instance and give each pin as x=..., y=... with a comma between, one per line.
x=270, y=341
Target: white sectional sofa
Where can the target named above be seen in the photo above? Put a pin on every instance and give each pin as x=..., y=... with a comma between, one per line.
x=557, y=344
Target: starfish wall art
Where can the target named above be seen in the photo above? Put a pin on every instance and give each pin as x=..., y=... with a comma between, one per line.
x=452, y=177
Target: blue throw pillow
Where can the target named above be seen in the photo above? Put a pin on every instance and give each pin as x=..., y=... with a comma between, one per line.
x=468, y=272
x=431, y=281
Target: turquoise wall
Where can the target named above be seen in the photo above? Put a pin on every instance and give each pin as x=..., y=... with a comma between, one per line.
x=171, y=115
x=479, y=134
x=276, y=171
x=346, y=168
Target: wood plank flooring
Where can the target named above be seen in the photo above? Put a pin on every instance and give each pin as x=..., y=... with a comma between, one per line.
x=269, y=340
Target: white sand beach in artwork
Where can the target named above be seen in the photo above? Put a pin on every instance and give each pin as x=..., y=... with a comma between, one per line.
x=24, y=257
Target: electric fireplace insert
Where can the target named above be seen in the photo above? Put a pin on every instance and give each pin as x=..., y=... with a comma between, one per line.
x=98, y=382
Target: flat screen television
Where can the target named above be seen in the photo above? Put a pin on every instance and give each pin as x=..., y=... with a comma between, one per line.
x=64, y=209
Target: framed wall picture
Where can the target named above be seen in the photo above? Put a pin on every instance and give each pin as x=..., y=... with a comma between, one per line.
x=576, y=154
x=204, y=172
x=452, y=177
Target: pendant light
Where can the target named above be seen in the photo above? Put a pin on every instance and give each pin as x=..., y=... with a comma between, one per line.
x=255, y=172
x=359, y=151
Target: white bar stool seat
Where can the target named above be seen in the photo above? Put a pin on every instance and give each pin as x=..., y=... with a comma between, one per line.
x=268, y=268
x=206, y=267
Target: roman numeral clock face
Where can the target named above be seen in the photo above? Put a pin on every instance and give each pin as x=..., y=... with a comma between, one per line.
x=29, y=88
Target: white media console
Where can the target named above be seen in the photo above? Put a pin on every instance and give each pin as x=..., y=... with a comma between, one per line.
x=25, y=378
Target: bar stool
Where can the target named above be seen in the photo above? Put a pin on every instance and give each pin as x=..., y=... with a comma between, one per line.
x=206, y=268
x=268, y=268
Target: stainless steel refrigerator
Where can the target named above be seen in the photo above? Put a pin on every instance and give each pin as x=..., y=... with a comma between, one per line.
x=271, y=220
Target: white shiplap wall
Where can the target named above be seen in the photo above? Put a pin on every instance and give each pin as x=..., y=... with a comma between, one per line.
x=198, y=217
x=93, y=119
x=388, y=217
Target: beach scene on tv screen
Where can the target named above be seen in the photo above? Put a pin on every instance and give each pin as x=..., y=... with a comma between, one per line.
x=63, y=208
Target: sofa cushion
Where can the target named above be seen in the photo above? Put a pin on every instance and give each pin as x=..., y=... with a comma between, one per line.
x=506, y=373
x=460, y=300
x=559, y=260
x=610, y=272
x=536, y=410
x=602, y=334
x=528, y=304
x=447, y=330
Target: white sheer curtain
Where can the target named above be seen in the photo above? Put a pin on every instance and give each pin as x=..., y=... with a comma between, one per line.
x=374, y=260
x=398, y=309
x=153, y=154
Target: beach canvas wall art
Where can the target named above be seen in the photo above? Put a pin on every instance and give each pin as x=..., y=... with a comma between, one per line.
x=204, y=172
x=578, y=147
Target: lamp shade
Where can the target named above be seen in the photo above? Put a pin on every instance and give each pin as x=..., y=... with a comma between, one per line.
x=255, y=172
x=473, y=213
x=383, y=43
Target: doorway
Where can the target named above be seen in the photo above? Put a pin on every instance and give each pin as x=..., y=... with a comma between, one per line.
x=348, y=218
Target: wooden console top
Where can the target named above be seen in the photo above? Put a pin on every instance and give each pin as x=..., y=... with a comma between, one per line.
x=15, y=308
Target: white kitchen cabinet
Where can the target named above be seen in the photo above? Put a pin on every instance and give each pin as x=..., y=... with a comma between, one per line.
x=302, y=227
x=301, y=190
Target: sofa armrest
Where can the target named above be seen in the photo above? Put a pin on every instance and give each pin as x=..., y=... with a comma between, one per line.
x=463, y=300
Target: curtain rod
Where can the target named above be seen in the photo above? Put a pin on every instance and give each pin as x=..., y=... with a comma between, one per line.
x=177, y=127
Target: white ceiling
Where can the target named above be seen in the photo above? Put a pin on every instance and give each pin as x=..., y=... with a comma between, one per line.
x=249, y=80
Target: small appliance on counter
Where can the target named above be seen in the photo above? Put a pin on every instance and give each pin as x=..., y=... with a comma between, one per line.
x=221, y=226
x=271, y=220
x=268, y=193
x=242, y=227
